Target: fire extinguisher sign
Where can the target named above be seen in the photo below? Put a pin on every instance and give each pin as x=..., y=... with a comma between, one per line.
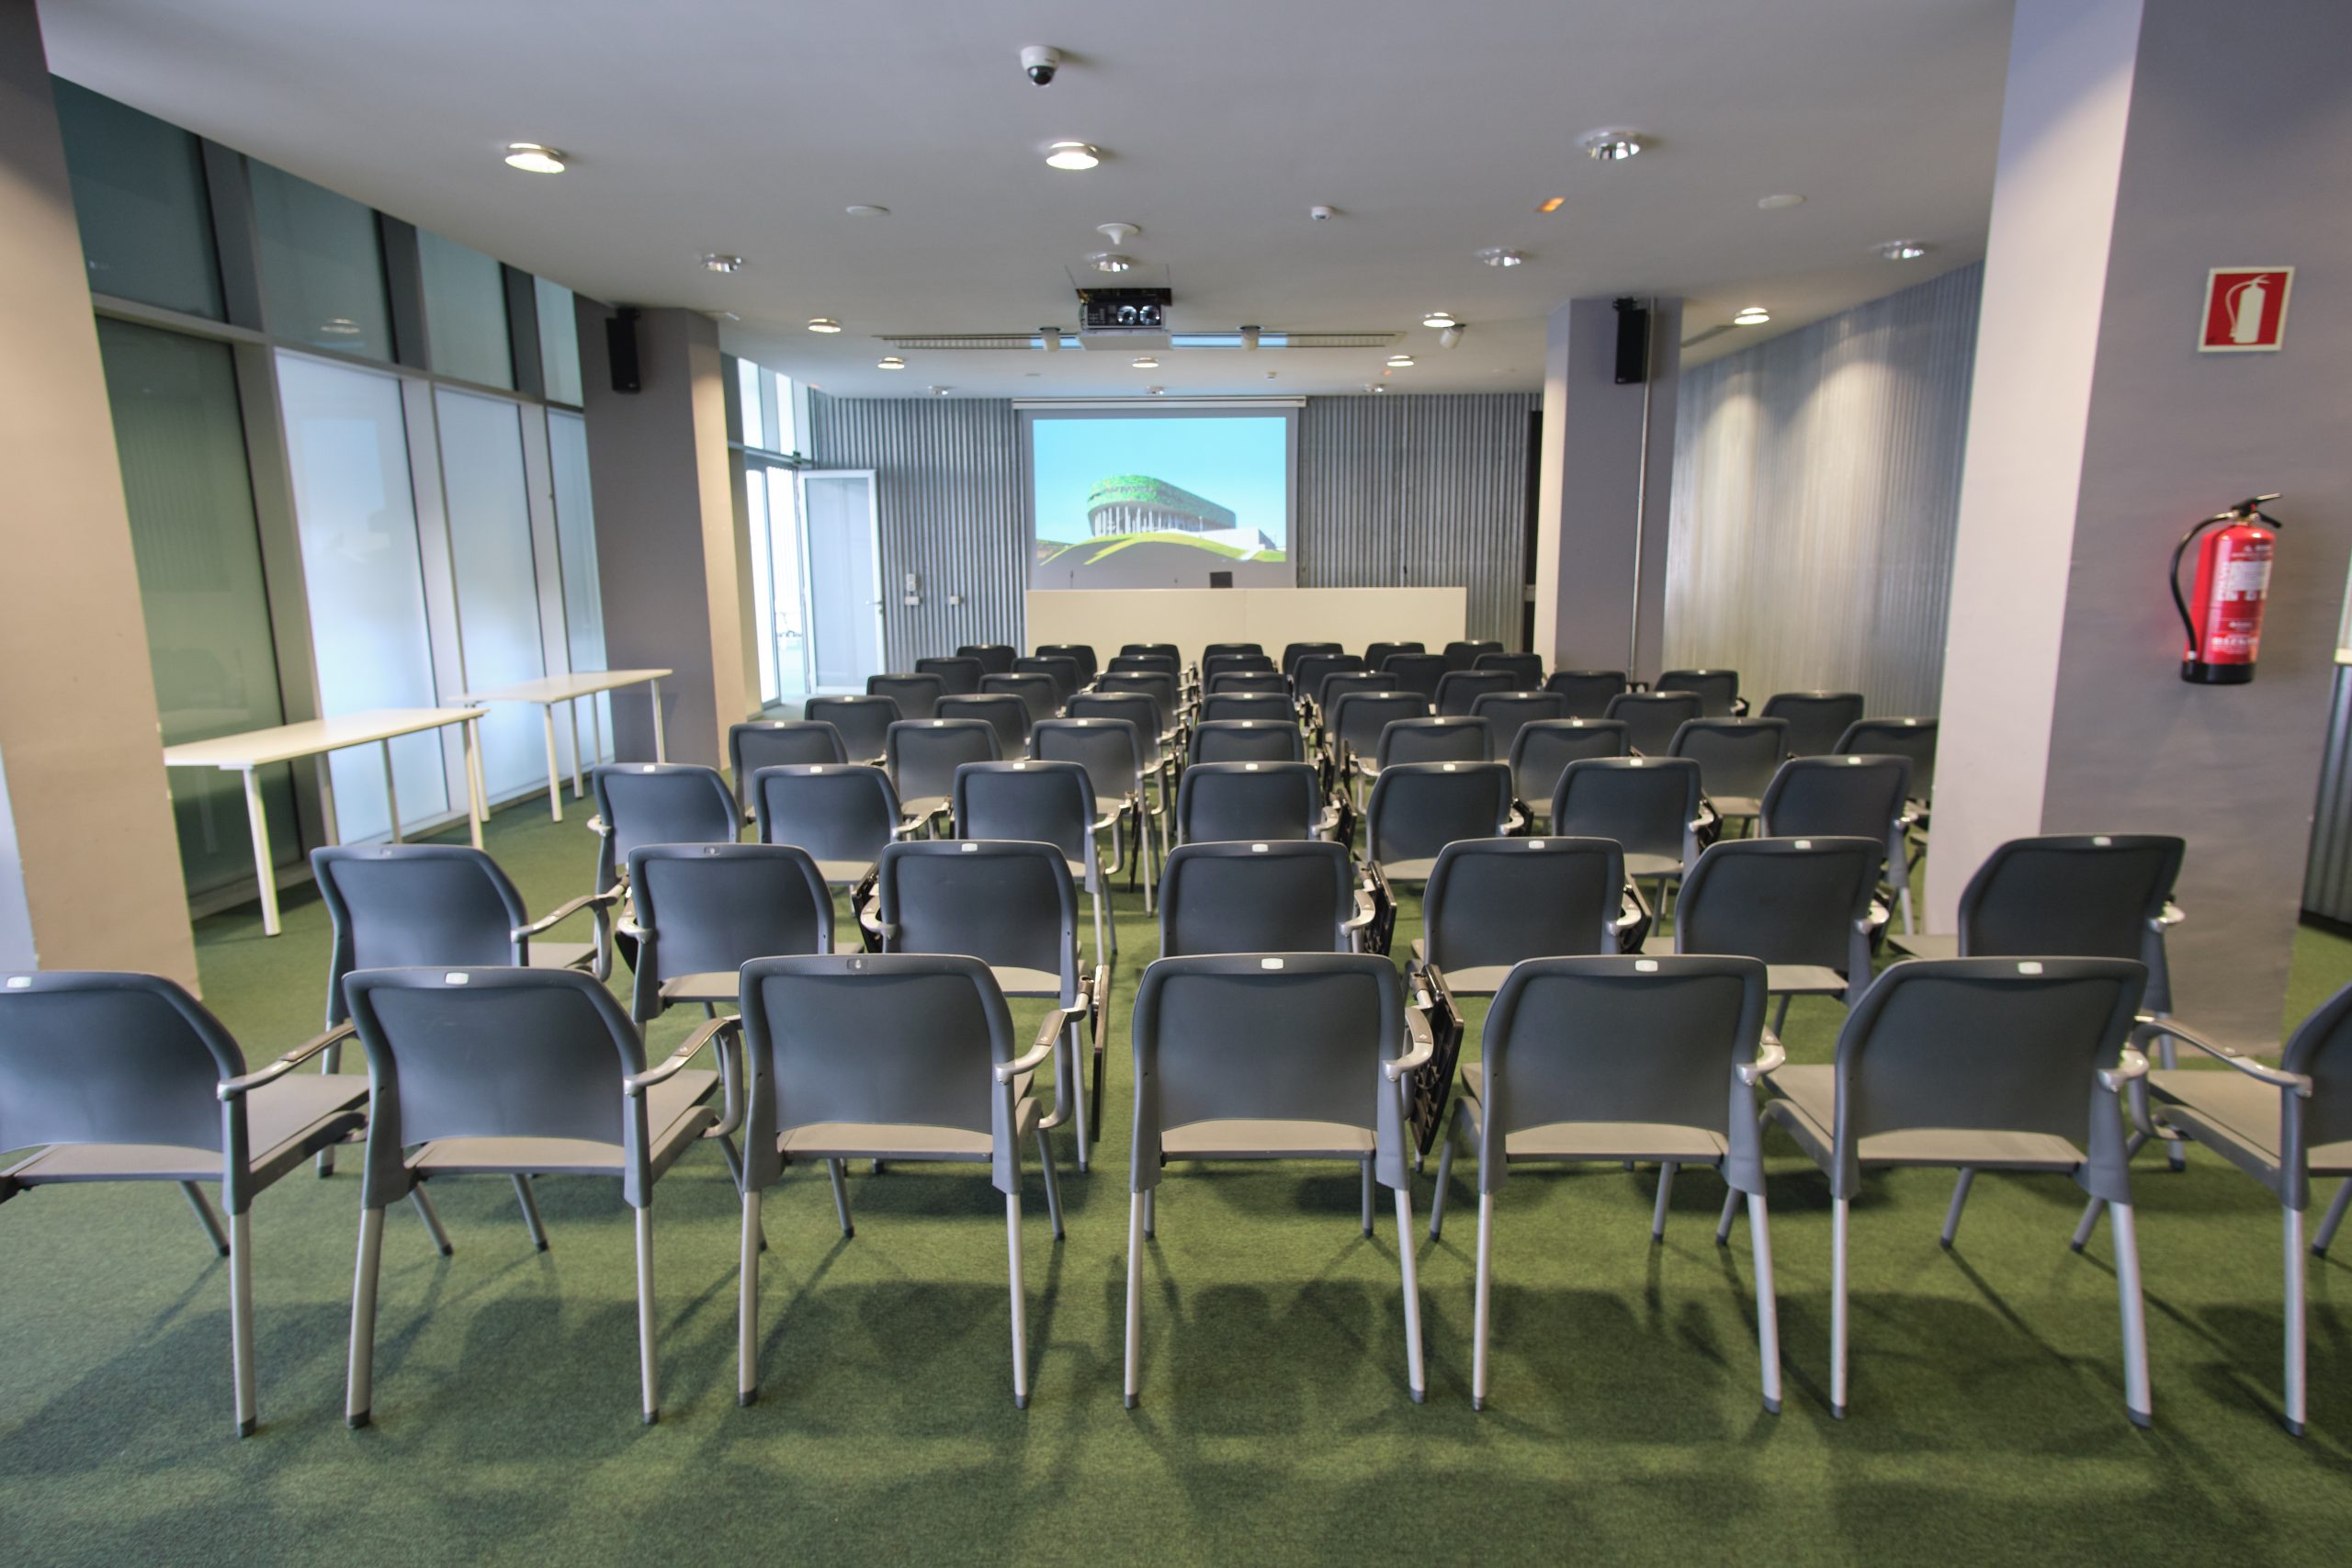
x=2246, y=309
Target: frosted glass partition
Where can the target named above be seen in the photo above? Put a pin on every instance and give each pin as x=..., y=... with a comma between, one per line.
x=321, y=264
x=755, y=528
x=559, y=342
x=584, y=599
x=140, y=196
x=464, y=311
x=498, y=589
x=347, y=446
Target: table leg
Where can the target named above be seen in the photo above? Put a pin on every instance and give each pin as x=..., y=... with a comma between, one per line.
x=596, y=731
x=660, y=753
x=579, y=790
x=263, y=872
x=392, y=793
x=477, y=807
x=555, y=774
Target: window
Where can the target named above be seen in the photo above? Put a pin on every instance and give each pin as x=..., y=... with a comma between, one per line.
x=559, y=342
x=465, y=312
x=498, y=590
x=139, y=194
x=321, y=266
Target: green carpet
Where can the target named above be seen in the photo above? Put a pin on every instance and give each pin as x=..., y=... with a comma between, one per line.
x=1988, y=1422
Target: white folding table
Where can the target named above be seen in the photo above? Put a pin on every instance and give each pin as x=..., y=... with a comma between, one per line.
x=258, y=749
x=549, y=691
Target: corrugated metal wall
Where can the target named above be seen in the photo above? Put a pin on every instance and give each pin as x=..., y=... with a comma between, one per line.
x=1419, y=492
x=1816, y=496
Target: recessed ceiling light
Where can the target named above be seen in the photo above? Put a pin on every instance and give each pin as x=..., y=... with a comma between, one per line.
x=1400, y=361
x=1073, y=155
x=1118, y=233
x=890, y=362
x=341, y=326
x=533, y=158
x=1381, y=387
x=1439, y=321
x=938, y=391
x=823, y=324
x=1552, y=204
x=1145, y=362
x=1903, y=250
x=1751, y=316
x=718, y=260
x=863, y=210
x=1155, y=391
x=1111, y=261
x=1496, y=255
x=1774, y=203
x=1611, y=146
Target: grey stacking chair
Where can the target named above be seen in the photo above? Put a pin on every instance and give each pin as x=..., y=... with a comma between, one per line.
x=1340, y=685
x=1544, y=748
x=705, y=910
x=1160, y=688
x=1037, y=802
x=841, y=817
x=1651, y=719
x=1458, y=691
x=1145, y=664
x=1525, y=670
x=1434, y=740
x=1265, y=708
x=1508, y=713
x=1718, y=689
x=922, y=755
x=1236, y=681
x=996, y=658
x=1112, y=752
x=1293, y=653
x=1816, y=719
x=1003, y=712
x=1266, y=895
x=958, y=677
x=1245, y=740
x=1167, y=650
x=863, y=722
x=1417, y=808
x=1037, y=693
x=1377, y=653
x=1219, y=802
x=1082, y=653
x=1817, y=797
x=1491, y=903
x=1216, y=664
x=1913, y=739
x=1736, y=758
x=1807, y=908
x=2282, y=1125
x=1307, y=676
x=1245, y=649
x=898, y=1057
x=1416, y=672
x=1590, y=691
x=1059, y=668
x=1141, y=710
x=1013, y=906
x=658, y=803
x=512, y=1072
x=125, y=1077
x=1208, y=1088
x=1620, y=1059
x=917, y=695
x=1354, y=726
x=1651, y=805
x=779, y=744
x=1993, y=1063
x=1464, y=654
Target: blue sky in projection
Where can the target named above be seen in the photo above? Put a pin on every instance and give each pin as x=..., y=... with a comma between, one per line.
x=1236, y=462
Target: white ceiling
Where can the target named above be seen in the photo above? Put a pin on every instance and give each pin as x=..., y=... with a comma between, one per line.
x=747, y=126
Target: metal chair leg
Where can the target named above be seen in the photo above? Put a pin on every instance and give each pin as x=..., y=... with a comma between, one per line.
x=735, y=1174
x=1767, y=1305
x=1074, y=1043
x=2296, y=1326
x=240, y=1316
x=1731, y=1210
x=1020, y=1325
x=1151, y=1213
x=747, y=1300
x=1366, y=1167
x=358, y=1395
x=1135, y=1293
x=1053, y=1180
x=205, y=1216
x=833, y=1171
x=1665, y=1197
x=2136, y=1402
x=328, y=1059
x=1838, y=1308
x=424, y=1206
x=1415, y=1376
x=1481, y=1314
x=1780, y=1015
x=648, y=1369
x=2086, y=1225
x=1444, y=1171
x=1959, y=1201
x=530, y=1203
x=2334, y=1218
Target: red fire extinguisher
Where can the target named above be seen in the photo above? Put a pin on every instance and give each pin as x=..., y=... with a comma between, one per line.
x=2223, y=614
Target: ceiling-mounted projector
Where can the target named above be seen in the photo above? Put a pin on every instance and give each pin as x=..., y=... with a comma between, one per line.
x=1122, y=317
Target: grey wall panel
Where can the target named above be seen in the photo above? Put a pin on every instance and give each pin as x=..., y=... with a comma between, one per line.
x=1816, y=493
x=948, y=485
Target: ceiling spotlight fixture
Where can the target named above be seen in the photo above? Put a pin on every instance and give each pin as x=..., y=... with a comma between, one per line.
x=823, y=324
x=1250, y=339
x=865, y=209
x=1451, y=336
x=937, y=391
x=1111, y=261
x=1611, y=146
x=1118, y=233
x=1322, y=214
x=1774, y=203
x=1399, y=361
x=534, y=158
x=1751, y=316
x=890, y=362
x=1145, y=362
x=1155, y=391
x=718, y=260
x=1903, y=250
x=1072, y=155
x=1381, y=387
x=1552, y=204
x=1496, y=255
x=1439, y=320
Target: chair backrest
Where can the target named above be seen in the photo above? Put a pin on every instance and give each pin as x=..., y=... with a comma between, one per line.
x=1234, y=682
x=1033, y=802
x=2083, y=894
x=393, y=905
x=1265, y=708
x=1458, y=691
x=844, y=815
x=996, y=658
x=705, y=909
x=1217, y=802
x=1646, y=803
x=1588, y=690
x=1216, y=664
x=1110, y=750
x=1814, y=797
x=1718, y=689
x=958, y=677
x=1339, y=684
x=779, y=744
x=1307, y=676
x=917, y=695
x=1245, y=740
x=1784, y=901
x=1416, y=672
x=2008, y=1045
x=893, y=1039
x=1059, y=668
x=1154, y=650
x=1652, y=718
x=1293, y=653
x=1140, y=709
x=1082, y=652
x=660, y=803
x=1003, y=712
x=1815, y=719
x=1144, y=664
x=1737, y=757
x=1037, y=693
x=1417, y=808
x=93, y=1057
x=1433, y=741
x=1508, y=713
x=494, y=1054
x=1464, y=655
x=1545, y=747
x=1260, y=895
x=1374, y=653
x=1157, y=685
x=861, y=721
x=923, y=756
x=1234, y=649
x=1202, y=1030
x=1011, y=904
x=1913, y=739
x=2321, y=1049
x=1358, y=719
x=1654, y=1041
x=1497, y=901
x=1525, y=670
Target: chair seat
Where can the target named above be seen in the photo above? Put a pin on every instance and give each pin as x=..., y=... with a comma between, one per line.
x=918, y=807
x=1805, y=1108
x=1479, y=980
x=1408, y=870
x=1639, y=865
x=901, y=1140
x=1018, y=982
x=2238, y=1118
x=1256, y=1138
x=1925, y=944
x=286, y=1123
x=674, y=1117
x=562, y=954
x=1572, y=1141
x=716, y=986
x=1803, y=980
x=1736, y=805
x=843, y=873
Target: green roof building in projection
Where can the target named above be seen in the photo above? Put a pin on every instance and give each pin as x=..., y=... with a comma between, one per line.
x=1138, y=503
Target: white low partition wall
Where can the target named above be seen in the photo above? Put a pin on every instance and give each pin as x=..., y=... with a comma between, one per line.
x=1191, y=619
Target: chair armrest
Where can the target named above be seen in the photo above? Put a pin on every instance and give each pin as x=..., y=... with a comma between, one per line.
x=2132, y=1064
x=1109, y=819
x=1706, y=817
x=1629, y=919
x=1871, y=923
x=2152, y=1029
x=870, y=918
x=1416, y=1024
x=637, y=1083
x=1367, y=911
x=246, y=1083
x=2171, y=914
x=599, y=827
x=1770, y=1056
x=908, y=829
x=1048, y=1034
x=607, y=898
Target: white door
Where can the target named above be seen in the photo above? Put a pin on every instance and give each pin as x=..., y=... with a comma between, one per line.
x=843, y=530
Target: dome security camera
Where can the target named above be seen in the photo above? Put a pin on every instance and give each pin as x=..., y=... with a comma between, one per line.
x=1041, y=63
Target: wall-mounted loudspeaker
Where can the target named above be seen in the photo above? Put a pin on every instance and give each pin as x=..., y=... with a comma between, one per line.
x=1633, y=341
x=620, y=348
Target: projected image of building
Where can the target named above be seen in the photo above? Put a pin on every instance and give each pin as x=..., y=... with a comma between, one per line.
x=1138, y=503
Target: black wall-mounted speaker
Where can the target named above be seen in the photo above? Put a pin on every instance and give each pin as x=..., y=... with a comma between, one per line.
x=1633, y=341
x=620, y=348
